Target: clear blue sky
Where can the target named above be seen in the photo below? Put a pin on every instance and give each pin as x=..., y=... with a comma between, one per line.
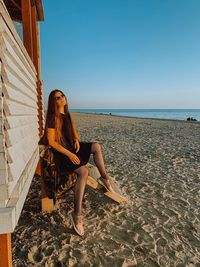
x=122, y=53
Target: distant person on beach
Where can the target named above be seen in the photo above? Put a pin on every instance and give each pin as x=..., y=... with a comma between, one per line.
x=191, y=119
x=70, y=154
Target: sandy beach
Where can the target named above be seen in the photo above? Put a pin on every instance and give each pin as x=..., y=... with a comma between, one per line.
x=157, y=163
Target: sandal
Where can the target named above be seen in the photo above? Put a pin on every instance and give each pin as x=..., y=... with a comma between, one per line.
x=77, y=226
x=108, y=187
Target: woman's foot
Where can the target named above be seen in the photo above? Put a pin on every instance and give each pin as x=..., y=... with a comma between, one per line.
x=107, y=183
x=77, y=222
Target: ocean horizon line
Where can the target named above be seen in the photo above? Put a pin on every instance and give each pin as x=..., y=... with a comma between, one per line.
x=170, y=114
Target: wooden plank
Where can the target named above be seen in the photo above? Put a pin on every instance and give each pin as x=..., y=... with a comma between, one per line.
x=15, y=70
x=38, y=48
x=11, y=122
x=27, y=26
x=40, y=108
x=2, y=138
x=4, y=193
x=15, y=108
x=93, y=176
x=30, y=173
x=3, y=160
x=24, y=145
x=116, y=197
x=1, y=102
x=38, y=170
x=5, y=250
x=2, y=143
x=3, y=203
x=36, y=38
x=4, y=175
x=13, y=189
x=8, y=47
x=93, y=182
x=15, y=169
x=0, y=77
x=10, y=93
x=3, y=7
x=17, y=199
x=13, y=136
x=1, y=122
x=10, y=78
x=7, y=220
x=47, y=204
x=6, y=24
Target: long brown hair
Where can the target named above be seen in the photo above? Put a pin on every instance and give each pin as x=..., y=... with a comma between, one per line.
x=54, y=114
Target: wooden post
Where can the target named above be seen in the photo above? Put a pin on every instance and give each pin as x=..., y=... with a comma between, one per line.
x=38, y=169
x=27, y=26
x=36, y=62
x=47, y=204
x=5, y=250
x=36, y=40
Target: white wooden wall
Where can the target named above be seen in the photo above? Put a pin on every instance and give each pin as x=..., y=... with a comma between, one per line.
x=19, y=150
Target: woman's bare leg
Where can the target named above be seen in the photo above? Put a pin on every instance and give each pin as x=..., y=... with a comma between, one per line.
x=98, y=159
x=79, y=188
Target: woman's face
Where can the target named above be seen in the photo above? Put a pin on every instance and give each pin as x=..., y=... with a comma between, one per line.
x=60, y=99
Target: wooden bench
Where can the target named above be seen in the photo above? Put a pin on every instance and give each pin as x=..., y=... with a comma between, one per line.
x=48, y=205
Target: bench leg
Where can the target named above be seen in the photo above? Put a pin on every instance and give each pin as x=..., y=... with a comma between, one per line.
x=5, y=250
x=38, y=170
x=47, y=204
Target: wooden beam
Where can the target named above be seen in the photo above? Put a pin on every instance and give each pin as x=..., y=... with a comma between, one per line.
x=16, y=5
x=40, y=108
x=40, y=10
x=36, y=62
x=10, y=25
x=27, y=26
x=5, y=250
x=35, y=39
x=38, y=49
x=15, y=13
x=38, y=169
x=93, y=183
x=116, y=197
x=47, y=205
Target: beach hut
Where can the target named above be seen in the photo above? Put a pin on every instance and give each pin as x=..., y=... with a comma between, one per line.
x=21, y=111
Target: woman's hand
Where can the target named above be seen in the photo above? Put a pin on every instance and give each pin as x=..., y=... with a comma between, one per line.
x=74, y=158
x=76, y=145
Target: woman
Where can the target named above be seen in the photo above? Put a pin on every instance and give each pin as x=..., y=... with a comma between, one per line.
x=70, y=154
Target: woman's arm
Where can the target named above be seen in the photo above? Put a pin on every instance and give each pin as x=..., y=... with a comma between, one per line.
x=54, y=144
x=75, y=133
x=51, y=138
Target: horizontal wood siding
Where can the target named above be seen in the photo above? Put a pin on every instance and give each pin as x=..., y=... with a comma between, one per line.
x=19, y=136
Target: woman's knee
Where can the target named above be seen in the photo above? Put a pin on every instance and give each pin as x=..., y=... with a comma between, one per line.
x=82, y=171
x=96, y=147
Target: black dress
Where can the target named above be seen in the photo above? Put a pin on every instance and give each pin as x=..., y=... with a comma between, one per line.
x=63, y=164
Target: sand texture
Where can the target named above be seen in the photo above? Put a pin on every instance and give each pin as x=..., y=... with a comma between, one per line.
x=157, y=163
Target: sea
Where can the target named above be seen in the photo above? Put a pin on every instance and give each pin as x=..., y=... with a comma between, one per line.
x=168, y=114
